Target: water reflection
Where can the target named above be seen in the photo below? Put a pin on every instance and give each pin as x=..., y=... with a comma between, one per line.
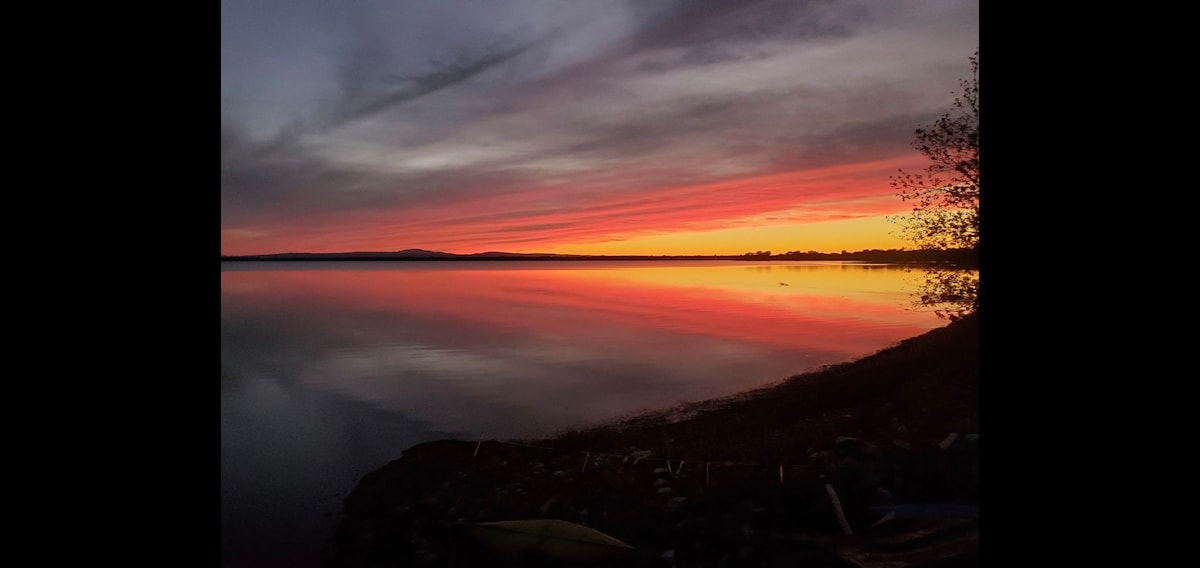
x=504, y=352
x=331, y=369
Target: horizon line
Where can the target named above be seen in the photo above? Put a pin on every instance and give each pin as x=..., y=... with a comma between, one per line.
x=758, y=253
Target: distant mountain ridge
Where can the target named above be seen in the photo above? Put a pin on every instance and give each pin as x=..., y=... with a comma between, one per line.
x=407, y=254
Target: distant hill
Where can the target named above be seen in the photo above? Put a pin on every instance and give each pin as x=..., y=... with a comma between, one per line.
x=407, y=254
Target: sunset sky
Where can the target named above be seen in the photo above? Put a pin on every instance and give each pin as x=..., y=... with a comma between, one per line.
x=571, y=126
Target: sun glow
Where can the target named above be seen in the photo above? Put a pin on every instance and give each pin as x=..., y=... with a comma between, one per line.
x=834, y=236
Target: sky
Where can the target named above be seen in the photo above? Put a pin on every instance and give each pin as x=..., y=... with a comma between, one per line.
x=578, y=127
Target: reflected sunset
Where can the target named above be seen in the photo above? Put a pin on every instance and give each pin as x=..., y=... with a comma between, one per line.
x=797, y=306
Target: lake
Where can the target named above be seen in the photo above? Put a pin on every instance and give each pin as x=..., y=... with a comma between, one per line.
x=331, y=369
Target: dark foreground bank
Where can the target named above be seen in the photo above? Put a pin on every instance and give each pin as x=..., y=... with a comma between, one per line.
x=870, y=463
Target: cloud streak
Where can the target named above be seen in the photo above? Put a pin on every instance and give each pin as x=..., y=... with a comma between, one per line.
x=508, y=125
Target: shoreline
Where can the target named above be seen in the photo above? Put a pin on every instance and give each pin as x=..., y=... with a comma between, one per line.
x=743, y=480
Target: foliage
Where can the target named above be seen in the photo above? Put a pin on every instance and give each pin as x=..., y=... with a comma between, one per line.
x=951, y=292
x=945, y=212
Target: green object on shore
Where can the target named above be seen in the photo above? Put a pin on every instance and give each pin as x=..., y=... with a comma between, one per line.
x=549, y=538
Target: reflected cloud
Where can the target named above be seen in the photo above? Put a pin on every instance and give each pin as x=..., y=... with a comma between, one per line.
x=475, y=349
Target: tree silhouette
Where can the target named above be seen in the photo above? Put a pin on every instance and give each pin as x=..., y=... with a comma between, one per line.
x=945, y=213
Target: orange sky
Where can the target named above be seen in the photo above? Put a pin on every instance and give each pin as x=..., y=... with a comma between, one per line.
x=829, y=209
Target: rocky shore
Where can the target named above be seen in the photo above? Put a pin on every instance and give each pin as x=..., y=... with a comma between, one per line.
x=870, y=463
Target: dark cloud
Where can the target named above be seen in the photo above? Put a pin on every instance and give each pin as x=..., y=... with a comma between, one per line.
x=370, y=89
x=705, y=23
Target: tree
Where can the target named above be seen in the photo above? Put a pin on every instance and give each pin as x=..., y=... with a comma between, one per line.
x=945, y=213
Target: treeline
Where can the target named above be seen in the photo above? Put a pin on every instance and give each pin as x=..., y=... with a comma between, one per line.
x=963, y=257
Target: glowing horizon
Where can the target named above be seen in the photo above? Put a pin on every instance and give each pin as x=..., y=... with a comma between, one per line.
x=827, y=209
x=830, y=237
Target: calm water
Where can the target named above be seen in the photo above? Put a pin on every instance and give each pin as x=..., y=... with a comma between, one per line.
x=330, y=370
